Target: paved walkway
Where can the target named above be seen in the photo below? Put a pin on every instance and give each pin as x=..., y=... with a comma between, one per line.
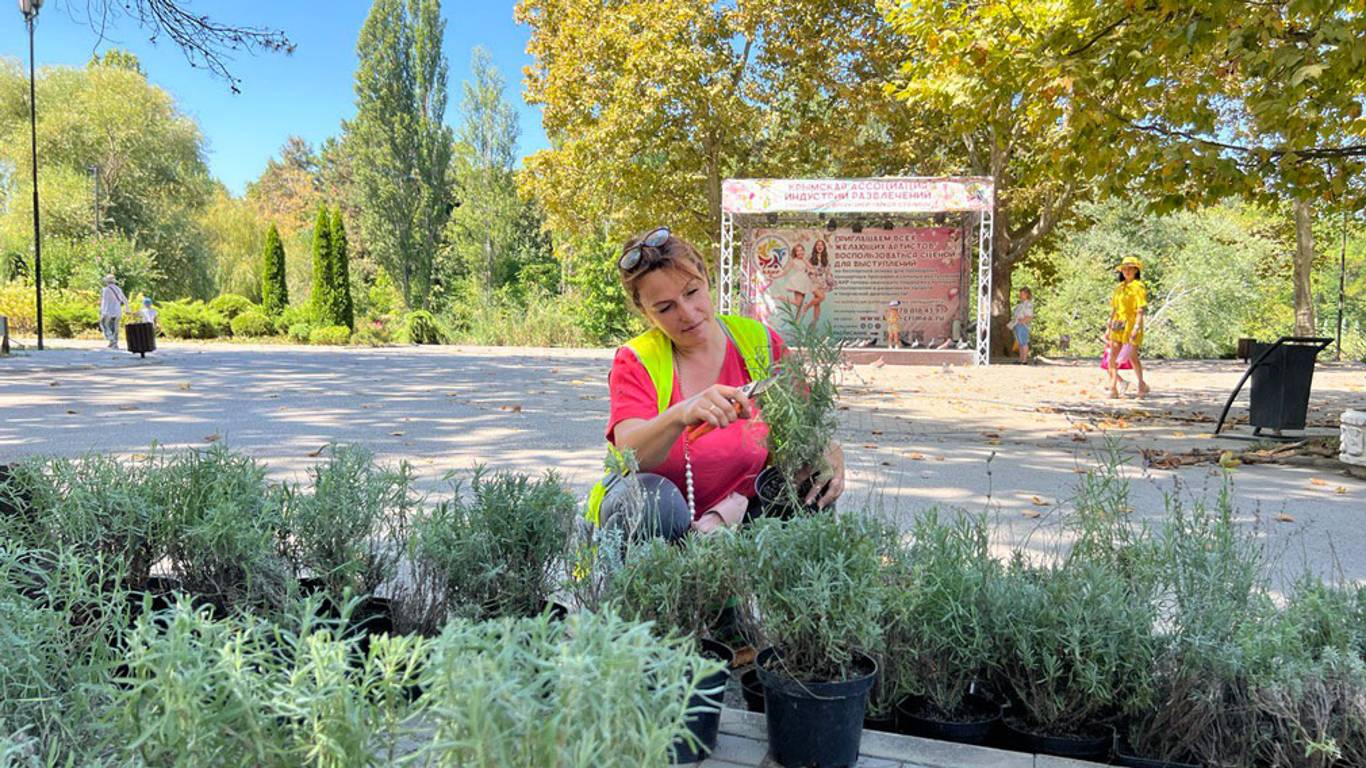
x=1008, y=440
x=743, y=744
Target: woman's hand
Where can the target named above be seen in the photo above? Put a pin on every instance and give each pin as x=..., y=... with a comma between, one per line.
x=715, y=405
x=830, y=479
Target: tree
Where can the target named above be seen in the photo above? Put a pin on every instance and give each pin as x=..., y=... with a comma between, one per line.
x=323, y=278
x=343, y=311
x=232, y=234
x=206, y=43
x=148, y=158
x=399, y=141
x=274, y=291
x=648, y=106
x=480, y=229
x=289, y=190
x=1219, y=97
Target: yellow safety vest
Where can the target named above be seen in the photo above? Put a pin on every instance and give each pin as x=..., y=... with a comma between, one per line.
x=655, y=352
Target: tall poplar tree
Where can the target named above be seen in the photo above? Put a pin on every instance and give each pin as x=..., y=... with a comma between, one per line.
x=342, y=308
x=323, y=281
x=274, y=290
x=399, y=140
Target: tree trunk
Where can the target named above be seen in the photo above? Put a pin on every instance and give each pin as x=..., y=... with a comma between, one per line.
x=1001, y=267
x=1304, y=264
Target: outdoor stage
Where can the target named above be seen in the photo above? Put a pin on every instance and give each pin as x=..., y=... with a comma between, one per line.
x=903, y=356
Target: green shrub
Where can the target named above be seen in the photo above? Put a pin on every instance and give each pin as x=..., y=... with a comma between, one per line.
x=252, y=323
x=373, y=332
x=1073, y=643
x=335, y=335
x=812, y=587
x=529, y=692
x=292, y=316
x=61, y=615
x=95, y=506
x=495, y=553
x=191, y=320
x=230, y=305
x=66, y=321
x=250, y=692
x=300, y=332
x=274, y=289
x=421, y=328
x=937, y=636
x=801, y=407
x=683, y=588
x=350, y=529
x=225, y=528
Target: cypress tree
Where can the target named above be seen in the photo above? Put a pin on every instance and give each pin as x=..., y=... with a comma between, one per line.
x=274, y=291
x=343, y=311
x=321, y=299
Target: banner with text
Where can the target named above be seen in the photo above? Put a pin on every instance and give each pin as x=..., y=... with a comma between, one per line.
x=847, y=278
x=886, y=195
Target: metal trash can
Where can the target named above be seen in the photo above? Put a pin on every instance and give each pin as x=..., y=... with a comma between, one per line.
x=142, y=338
x=1281, y=382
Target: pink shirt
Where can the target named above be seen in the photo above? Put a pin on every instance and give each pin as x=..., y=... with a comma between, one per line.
x=724, y=461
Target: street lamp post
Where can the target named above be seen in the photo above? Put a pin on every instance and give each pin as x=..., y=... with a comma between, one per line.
x=30, y=10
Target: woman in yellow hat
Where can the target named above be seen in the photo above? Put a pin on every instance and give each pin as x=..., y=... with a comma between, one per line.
x=1127, y=308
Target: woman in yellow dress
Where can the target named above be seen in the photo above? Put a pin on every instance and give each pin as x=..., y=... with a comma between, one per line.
x=1128, y=306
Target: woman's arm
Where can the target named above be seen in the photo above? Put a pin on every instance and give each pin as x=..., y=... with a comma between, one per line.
x=651, y=439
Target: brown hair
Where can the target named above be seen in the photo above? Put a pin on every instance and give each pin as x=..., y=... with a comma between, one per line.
x=675, y=253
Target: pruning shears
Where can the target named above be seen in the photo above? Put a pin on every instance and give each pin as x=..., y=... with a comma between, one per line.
x=750, y=391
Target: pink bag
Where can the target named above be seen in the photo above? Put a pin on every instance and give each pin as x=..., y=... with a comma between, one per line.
x=1125, y=358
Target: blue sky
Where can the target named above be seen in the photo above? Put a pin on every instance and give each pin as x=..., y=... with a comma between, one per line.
x=307, y=94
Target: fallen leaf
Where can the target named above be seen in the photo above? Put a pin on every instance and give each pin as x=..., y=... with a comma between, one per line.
x=215, y=437
x=1079, y=438
x=991, y=435
x=54, y=383
x=1284, y=518
x=886, y=463
x=993, y=442
x=1038, y=501
x=917, y=457
x=317, y=453
x=1031, y=513
x=938, y=458
x=1341, y=489
x=1318, y=481
x=70, y=411
x=875, y=431
x=397, y=434
x=184, y=385
x=870, y=445
x=126, y=407
x=1228, y=460
x=518, y=408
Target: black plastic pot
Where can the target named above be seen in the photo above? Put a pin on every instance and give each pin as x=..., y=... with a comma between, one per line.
x=753, y=690
x=161, y=589
x=770, y=488
x=557, y=611
x=885, y=722
x=814, y=724
x=705, y=720
x=374, y=616
x=1080, y=748
x=1124, y=755
x=914, y=718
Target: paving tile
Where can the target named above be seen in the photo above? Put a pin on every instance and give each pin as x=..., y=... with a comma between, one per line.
x=737, y=749
x=939, y=754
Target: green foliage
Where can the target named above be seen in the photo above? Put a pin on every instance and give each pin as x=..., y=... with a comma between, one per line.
x=249, y=692
x=329, y=335
x=232, y=233
x=67, y=320
x=599, y=307
x=399, y=142
x=300, y=332
x=320, y=297
x=274, y=290
x=95, y=507
x=191, y=320
x=494, y=552
x=545, y=694
x=230, y=305
x=224, y=526
x=341, y=308
x=373, y=332
x=800, y=409
x=420, y=327
x=938, y=634
x=813, y=587
x=153, y=180
x=382, y=297
x=349, y=531
x=251, y=324
x=60, y=618
x=683, y=589
x=1072, y=643
x=502, y=319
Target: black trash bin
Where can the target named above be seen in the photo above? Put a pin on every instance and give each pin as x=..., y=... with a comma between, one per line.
x=142, y=338
x=1281, y=382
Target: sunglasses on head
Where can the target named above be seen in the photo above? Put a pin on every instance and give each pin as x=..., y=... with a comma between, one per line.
x=630, y=259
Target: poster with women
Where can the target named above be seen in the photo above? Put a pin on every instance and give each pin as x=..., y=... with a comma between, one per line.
x=846, y=278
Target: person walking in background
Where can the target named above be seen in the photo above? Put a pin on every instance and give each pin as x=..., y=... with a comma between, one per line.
x=1019, y=322
x=1128, y=305
x=112, y=302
